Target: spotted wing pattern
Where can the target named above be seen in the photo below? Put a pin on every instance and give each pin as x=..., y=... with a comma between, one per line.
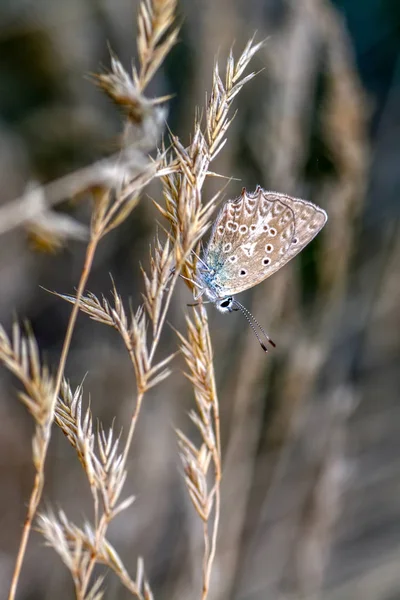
x=255, y=235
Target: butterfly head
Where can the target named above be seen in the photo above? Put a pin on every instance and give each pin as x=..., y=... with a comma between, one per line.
x=226, y=304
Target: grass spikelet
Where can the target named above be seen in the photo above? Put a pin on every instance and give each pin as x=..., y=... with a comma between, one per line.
x=197, y=351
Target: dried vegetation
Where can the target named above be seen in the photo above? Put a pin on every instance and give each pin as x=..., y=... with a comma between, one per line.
x=115, y=186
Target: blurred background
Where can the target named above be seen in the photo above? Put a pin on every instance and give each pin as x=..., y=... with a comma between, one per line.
x=311, y=432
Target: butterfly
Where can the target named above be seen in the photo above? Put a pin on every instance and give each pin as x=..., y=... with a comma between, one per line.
x=253, y=236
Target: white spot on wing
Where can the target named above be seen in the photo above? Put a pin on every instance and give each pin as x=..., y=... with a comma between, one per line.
x=248, y=249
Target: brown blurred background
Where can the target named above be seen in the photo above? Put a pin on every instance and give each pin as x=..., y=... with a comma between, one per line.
x=311, y=433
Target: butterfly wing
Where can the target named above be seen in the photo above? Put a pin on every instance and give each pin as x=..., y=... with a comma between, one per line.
x=255, y=235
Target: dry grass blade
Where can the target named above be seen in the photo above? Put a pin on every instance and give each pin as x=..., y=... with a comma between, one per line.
x=77, y=426
x=188, y=218
x=161, y=267
x=195, y=470
x=49, y=230
x=95, y=592
x=141, y=581
x=222, y=96
x=111, y=473
x=105, y=469
x=20, y=355
x=197, y=351
x=76, y=546
x=196, y=348
x=61, y=537
x=145, y=120
x=139, y=587
x=101, y=176
x=155, y=18
x=100, y=311
x=121, y=88
x=133, y=330
x=101, y=461
x=112, y=206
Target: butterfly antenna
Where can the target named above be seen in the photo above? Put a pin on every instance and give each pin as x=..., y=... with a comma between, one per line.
x=263, y=346
x=251, y=319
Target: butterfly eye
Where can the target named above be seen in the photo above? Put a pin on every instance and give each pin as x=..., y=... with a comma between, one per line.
x=226, y=303
x=266, y=261
x=294, y=241
x=243, y=229
x=253, y=227
x=272, y=231
x=242, y=272
x=227, y=247
x=269, y=248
